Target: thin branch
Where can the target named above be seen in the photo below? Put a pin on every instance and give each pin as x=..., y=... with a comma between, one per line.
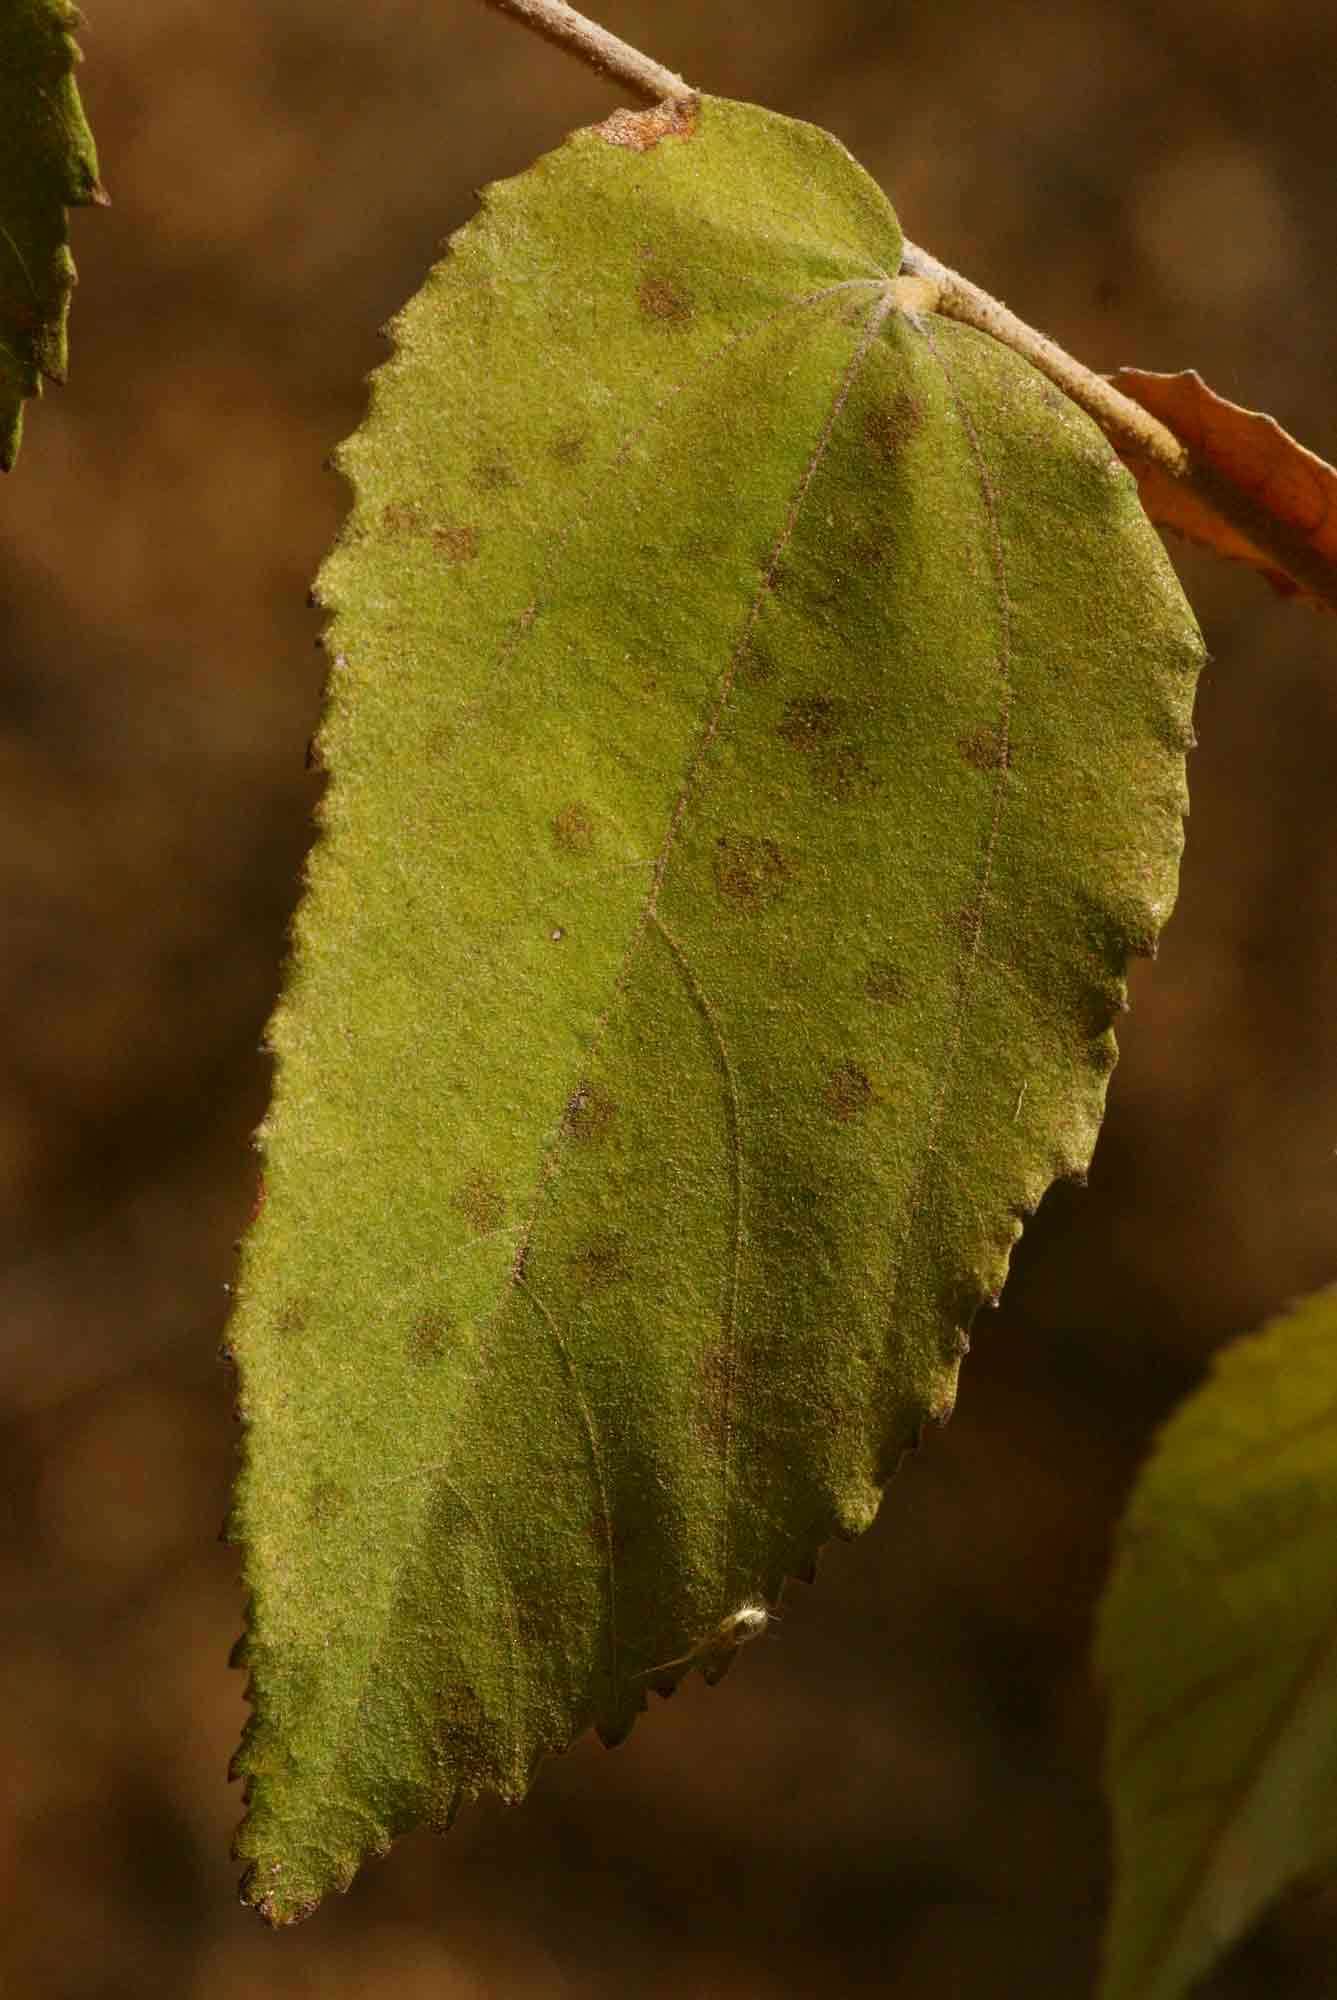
x=1123, y=421
x=603, y=52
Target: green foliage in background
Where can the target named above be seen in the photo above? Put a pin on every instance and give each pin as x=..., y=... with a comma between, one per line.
x=47, y=162
x=756, y=735
x=1218, y=1639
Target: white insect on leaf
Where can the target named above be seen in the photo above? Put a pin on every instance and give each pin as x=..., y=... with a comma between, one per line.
x=715, y=1652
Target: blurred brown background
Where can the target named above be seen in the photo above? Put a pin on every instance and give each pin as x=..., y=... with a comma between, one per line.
x=897, y=1793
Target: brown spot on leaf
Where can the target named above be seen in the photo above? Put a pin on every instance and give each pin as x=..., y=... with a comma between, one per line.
x=811, y=726
x=400, y=517
x=493, y=474
x=589, y=1113
x=573, y=828
x=427, y=1337
x=457, y=544
x=640, y=130
x=889, y=427
x=750, y=871
x=568, y=448
x=809, y=721
x=481, y=1202
x=884, y=982
x=986, y=748
x=659, y=298
x=600, y=1263
x=291, y=1316
x=847, y=1092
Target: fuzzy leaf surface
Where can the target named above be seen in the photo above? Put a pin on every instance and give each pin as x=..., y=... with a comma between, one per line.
x=755, y=741
x=47, y=163
x=1218, y=1641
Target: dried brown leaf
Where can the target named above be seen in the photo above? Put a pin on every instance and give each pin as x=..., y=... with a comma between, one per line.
x=1251, y=492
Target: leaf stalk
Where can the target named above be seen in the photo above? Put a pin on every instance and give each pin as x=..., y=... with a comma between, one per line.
x=599, y=50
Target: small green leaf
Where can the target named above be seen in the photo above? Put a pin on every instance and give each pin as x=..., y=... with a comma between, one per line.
x=47, y=162
x=1218, y=1640
x=755, y=735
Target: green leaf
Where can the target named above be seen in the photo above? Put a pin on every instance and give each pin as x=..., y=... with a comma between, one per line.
x=47, y=161
x=1218, y=1639
x=755, y=734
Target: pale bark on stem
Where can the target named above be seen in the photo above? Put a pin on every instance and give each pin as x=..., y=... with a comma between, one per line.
x=603, y=52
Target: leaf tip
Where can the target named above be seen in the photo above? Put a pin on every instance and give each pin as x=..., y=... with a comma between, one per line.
x=270, y=1904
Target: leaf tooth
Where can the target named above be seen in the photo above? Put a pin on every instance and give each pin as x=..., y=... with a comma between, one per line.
x=240, y=1767
x=343, y=458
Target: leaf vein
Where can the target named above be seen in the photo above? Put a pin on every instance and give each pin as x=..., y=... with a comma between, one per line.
x=733, y=1118
x=974, y=925
x=596, y=1467
x=881, y=308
